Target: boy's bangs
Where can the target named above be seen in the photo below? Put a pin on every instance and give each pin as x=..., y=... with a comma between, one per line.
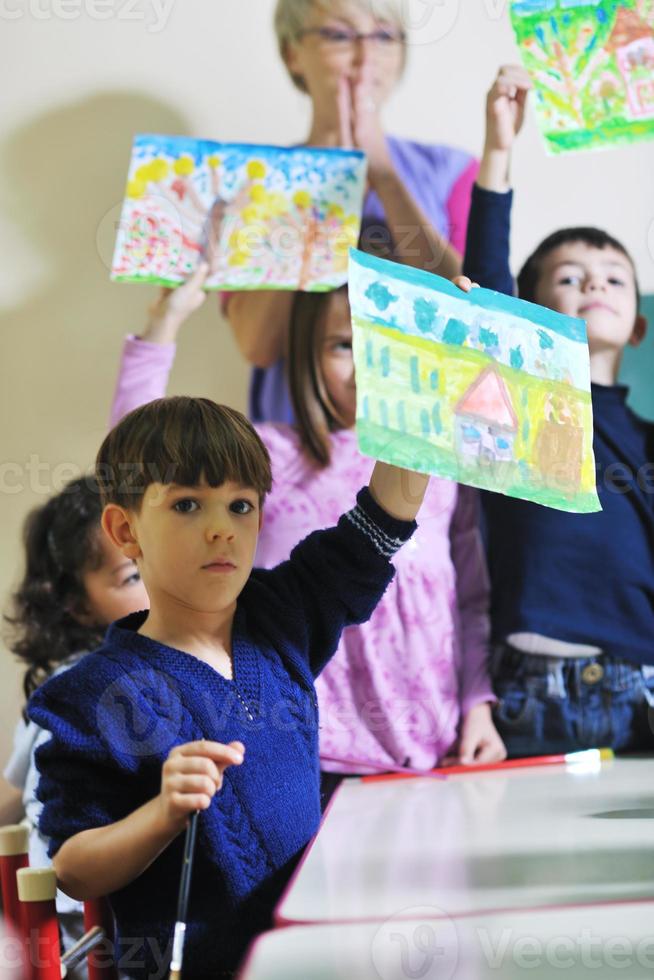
x=184, y=441
x=205, y=455
x=202, y=443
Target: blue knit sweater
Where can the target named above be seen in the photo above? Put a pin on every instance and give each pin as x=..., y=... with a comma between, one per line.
x=582, y=578
x=115, y=716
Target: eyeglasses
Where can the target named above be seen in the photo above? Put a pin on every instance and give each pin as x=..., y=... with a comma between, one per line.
x=342, y=37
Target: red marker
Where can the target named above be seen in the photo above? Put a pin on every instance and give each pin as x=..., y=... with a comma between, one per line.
x=587, y=756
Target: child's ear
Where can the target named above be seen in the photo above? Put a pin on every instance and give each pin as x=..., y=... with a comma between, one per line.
x=639, y=331
x=117, y=526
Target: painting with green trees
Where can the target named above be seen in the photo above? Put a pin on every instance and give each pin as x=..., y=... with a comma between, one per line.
x=592, y=64
x=476, y=387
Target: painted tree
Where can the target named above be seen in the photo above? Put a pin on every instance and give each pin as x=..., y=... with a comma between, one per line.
x=563, y=51
x=456, y=332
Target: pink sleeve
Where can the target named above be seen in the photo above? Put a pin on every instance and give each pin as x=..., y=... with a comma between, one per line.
x=142, y=375
x=284, y=523
x=458, y=206
x=473, y=594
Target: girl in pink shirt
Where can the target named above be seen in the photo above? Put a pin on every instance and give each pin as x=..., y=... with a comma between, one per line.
x=410, y=687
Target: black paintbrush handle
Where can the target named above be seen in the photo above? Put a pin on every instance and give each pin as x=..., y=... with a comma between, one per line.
x=187, y=867
x=184, y=892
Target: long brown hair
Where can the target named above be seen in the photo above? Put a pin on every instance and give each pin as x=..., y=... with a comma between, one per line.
x=315, y=413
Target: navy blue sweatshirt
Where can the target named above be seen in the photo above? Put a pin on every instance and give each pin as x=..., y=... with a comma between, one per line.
x=116, y=714
x=582, y=578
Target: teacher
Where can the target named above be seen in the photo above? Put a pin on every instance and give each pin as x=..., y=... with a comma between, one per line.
x=348, y=56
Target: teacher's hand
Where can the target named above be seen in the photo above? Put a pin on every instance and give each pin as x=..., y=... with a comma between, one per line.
x=360, y=124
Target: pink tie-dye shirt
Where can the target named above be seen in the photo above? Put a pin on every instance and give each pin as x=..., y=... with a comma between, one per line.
x=396, y=689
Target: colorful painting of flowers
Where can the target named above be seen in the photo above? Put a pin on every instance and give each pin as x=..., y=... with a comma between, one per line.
x=263, y=217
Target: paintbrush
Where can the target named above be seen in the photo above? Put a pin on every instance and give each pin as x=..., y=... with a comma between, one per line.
x=182, y=900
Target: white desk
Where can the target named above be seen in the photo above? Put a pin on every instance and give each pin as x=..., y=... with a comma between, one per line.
x=484, y=842
x=615, y=941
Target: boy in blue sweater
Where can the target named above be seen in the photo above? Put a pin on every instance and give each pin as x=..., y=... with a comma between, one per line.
x=572, y=604
x=206, y=702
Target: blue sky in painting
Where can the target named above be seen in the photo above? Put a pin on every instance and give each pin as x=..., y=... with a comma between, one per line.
x=511, y=331
x=292, y=166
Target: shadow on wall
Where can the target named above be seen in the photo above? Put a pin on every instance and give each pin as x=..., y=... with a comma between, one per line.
x=64, y=175
x=61, y=173
x=638, y=367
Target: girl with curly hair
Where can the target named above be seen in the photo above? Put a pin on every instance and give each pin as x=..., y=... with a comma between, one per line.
x=75, y=583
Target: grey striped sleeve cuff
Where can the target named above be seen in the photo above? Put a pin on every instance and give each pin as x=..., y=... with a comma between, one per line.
x=386, y=534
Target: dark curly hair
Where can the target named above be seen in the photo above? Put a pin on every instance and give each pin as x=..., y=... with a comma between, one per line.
x=62, y=542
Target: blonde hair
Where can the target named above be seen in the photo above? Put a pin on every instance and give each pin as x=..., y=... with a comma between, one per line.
x=291, y=17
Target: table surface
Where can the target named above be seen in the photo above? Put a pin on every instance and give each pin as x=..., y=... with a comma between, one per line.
x=603, y=941
x=484, y=842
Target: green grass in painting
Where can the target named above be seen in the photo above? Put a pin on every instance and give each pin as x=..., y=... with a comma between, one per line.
x=417, y=454
x=223, y=287
x=576, y=46
x=457, y=367
x=608, y=134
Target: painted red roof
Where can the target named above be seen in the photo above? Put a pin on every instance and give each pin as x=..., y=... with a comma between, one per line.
x=487, y=399
x=628, y=27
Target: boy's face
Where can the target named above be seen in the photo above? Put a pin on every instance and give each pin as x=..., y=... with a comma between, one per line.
x=195, y=545
x=597, y=285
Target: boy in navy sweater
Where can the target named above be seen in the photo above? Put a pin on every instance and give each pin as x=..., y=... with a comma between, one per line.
x=572, y=595
x=206, y=702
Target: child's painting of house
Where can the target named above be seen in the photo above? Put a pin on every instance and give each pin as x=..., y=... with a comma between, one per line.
x=262, y=217
x=592, y=64
x=485, y=422
x=475, y=387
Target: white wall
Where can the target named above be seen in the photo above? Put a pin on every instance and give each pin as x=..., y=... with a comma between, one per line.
x=76, y=88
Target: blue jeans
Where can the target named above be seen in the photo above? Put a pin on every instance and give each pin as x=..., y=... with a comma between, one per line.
x=549, y=705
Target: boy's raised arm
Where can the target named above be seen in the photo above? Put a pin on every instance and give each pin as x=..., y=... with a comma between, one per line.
x=399, y=492
x=505, y=114
x=335, y=577
x=486, y=259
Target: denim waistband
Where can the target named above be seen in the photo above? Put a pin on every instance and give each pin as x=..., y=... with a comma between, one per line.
x=622, y=672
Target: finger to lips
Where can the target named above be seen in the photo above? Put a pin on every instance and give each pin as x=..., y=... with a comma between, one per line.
x=344, y=103
x=365, y=99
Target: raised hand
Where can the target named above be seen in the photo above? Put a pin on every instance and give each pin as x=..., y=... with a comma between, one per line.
x=505, y=106
x=174, y=306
